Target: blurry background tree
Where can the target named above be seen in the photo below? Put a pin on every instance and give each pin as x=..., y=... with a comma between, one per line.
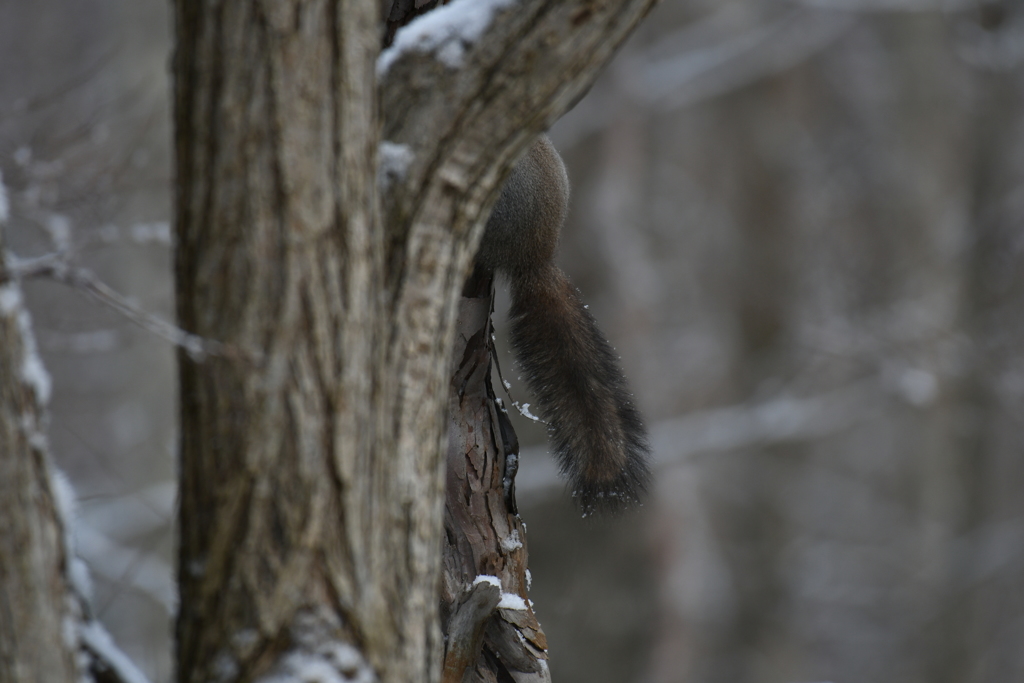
x=799, y=222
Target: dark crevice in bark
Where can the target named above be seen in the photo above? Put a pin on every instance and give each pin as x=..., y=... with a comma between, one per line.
x=337, y=49
x=267, y=83
x=210, y=148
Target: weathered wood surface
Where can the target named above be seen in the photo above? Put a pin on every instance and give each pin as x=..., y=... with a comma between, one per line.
x=483, y=534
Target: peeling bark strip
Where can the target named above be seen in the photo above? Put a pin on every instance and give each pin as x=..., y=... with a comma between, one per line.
x=312, y=466
x=489, y=623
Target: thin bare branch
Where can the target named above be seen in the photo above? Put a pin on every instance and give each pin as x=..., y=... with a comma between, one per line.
x=56, y=266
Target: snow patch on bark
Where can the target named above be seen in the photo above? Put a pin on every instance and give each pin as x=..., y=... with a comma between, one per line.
x=446, y=32
x=511, y=542
x=393, y=163
x=511, y=601
x=319, y=656
x=32, y=371
x=487, y=578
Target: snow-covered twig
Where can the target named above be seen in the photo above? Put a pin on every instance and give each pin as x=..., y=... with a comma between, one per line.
x=103, y=658
x=108, y=660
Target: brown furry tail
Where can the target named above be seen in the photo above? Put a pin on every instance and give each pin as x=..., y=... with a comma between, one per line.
x=598, y=437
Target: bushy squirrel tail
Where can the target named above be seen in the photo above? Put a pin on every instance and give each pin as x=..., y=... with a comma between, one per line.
x=595, y=430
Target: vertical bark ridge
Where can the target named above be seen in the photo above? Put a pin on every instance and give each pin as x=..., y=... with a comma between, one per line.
x=285, y=231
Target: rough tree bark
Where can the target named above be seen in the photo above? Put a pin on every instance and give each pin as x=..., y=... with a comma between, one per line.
x=47, y=629
x=312, y=460
x=489, y=625
x=35, y=598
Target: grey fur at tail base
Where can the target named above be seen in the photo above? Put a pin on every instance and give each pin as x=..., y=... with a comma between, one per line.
x=596, y=431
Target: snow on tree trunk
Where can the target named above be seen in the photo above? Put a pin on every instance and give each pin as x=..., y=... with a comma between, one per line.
x=38, y=640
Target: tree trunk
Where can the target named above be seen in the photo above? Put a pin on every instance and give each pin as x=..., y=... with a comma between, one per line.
x=292, y=479
x=35, y=604
x=312, y=466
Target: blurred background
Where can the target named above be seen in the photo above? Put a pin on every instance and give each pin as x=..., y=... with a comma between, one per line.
x=802, y=226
